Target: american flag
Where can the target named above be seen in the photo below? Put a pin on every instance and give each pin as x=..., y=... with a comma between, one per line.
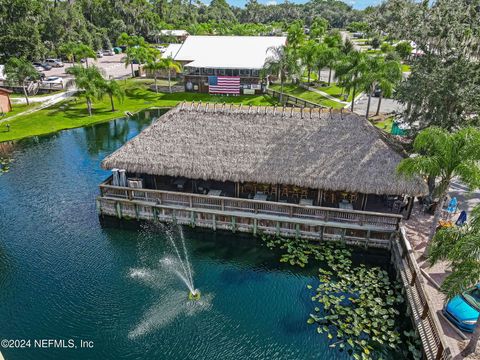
x=224, y=85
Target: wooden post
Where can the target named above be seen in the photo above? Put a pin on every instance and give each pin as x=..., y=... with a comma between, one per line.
x=322, y=229
x=367, y=239
x=233, y=223
x=277, y=197
x=155, y=213
x=297, y=231
x=119, y=209
x=136, y=212
x=277, y=228
x=192, y=217
x=190, y=200
x=223, y=204
x=414, y=277
x=237, y=189
x=98, y=206
x=255, y=226
x=425, y=311
x=214, y=219
x=365, y=198
x=411, y=201
x=319, y=197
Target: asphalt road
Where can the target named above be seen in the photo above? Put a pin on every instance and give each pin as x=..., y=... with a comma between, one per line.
x=387, y=106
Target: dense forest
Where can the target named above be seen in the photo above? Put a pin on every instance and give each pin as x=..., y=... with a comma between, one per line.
x=36, y=28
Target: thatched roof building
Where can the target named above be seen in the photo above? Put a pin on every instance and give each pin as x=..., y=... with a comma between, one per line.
x=329, y=151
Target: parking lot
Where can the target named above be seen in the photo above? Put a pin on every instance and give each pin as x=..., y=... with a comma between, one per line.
x=112, y=65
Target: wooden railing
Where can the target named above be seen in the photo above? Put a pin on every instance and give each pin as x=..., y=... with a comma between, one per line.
x=292, y=100
x=424, y=317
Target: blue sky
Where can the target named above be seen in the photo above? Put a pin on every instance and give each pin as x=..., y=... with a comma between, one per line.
x=357, y=4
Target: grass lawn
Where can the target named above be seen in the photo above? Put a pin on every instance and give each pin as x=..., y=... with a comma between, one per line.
x=335, y=91
x=72, y=113
x=22, y=96
x=307, y=95
x=385, y=125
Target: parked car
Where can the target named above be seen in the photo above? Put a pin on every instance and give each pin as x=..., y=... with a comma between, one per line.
x=377, y=92
x=44, y=66
x=54, y=63
x=99, y=54
x=463, y=310
x=53, y=80
x=108, y=52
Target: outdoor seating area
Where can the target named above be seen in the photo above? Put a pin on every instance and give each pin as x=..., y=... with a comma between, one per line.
x=286, y=194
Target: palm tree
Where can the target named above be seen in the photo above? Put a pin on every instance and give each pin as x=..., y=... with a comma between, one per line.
x=169, y=64
x=113, y=89
x=460, y=247
x=90, y=82
x=390, y=76
x=348, y=70
x=280, y=62
x=308, y=53
x=20, y=71
x=326, y=57
x=380, y=73
x=83, y=51
x=443, y=156
x=69, y=50
x=154, y=67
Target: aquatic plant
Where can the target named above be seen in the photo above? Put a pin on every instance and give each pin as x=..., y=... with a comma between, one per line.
x=5, y=164
x=356, y=304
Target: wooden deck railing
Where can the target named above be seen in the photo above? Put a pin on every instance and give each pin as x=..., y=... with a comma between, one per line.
x=362, y=220
x=293, y=100
x=424, y=317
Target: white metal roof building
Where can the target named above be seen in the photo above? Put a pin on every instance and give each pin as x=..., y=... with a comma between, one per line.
x=227, y=52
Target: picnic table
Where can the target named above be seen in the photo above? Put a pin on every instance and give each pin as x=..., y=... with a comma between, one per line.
x=180, y=183
x=214, y=192
x=345, y=205
x=261, y=197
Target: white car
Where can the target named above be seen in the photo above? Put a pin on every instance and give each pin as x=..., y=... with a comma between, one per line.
x=108, y=52
x=54, y=80
x=54, y=63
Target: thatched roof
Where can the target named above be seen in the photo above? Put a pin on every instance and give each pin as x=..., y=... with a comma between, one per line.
x=329, y=151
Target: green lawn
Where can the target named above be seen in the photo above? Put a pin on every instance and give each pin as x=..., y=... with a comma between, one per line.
x=335, y=91
x=307, y=95
x=385, y=125
x=72, y=113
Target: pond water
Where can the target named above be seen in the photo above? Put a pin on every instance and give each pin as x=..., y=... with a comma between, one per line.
x=64, y=276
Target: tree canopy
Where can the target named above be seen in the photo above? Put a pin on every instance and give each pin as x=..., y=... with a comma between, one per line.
x=36, y=29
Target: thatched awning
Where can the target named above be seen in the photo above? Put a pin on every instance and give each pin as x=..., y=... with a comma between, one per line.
x=324, y=151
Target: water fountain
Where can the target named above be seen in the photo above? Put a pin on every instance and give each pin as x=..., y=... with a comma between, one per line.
x=180, y=264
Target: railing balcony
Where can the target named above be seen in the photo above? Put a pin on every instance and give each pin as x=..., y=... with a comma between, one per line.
x=356, y=220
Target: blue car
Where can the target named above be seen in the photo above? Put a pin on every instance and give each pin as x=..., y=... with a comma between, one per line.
x=463, y=310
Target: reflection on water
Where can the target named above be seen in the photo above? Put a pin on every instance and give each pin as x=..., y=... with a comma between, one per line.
x=115, y=133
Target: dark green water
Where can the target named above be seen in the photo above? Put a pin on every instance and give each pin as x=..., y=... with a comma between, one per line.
x=63, y=276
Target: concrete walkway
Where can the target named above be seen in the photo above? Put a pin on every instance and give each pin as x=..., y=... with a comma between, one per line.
x=328, y=96
x=48, y=101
